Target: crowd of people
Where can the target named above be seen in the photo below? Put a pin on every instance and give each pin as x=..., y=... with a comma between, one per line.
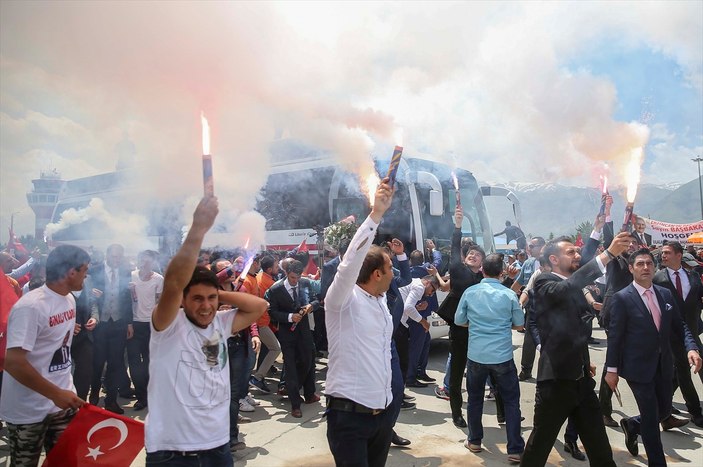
x=195, y=344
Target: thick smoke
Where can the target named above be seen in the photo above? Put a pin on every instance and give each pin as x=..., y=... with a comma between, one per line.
x=487, y=82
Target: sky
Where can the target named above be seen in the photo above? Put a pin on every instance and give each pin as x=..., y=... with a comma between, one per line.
x=513, y=91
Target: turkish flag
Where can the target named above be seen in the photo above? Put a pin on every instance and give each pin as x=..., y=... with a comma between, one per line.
x=97, y=437
x=579, y=240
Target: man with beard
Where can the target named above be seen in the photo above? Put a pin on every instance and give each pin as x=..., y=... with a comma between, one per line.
x=564, y=376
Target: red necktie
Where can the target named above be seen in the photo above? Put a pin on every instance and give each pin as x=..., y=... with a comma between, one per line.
x=679, y=288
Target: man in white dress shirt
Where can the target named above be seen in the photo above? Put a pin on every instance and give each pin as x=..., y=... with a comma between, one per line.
x=359, y=331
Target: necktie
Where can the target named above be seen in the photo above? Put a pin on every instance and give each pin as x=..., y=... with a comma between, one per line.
x=642, y=242
x=295, y=298
x=653, y=307
x=113, y=276
x=679, y=288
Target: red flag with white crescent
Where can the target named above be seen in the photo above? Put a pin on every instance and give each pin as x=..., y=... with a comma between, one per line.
x=97, y=437
x=303, y=247
x=579, y=240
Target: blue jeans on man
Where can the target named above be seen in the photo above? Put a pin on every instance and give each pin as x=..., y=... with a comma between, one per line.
x=241, y=360
x=505, y=378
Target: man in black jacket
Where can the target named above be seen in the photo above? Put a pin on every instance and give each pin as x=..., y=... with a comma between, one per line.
x=688, y=292
x=565, y=375
x=111, y=288
x=82, y=344
x=291, y=300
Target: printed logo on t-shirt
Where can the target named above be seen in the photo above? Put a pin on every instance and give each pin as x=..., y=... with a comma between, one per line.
x=62, y=357
x=202, y=379
x=60, y=318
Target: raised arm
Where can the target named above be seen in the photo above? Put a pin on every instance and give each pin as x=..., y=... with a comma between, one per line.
x=181, y=267
x=348, y=271
x=249, y=308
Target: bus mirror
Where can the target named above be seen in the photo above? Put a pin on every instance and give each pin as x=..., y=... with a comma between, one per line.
x=436, y=207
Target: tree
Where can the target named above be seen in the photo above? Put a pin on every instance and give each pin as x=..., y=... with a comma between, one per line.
x=585, y=228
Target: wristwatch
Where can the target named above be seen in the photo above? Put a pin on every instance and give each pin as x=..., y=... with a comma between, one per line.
x=610, y=255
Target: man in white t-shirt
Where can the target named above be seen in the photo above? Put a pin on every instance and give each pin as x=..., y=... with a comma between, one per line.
x=189, y=387
x=146, y=287
x=38, y=397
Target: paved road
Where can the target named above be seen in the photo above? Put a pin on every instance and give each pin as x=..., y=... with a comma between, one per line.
x=276, y=439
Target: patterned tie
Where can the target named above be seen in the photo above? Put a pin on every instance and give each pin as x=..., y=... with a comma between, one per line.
x=113, y=276
x=679, y=287
x=295, y=297
x=653, y=307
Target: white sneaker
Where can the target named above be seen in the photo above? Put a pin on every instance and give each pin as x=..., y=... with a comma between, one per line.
x=253, y=402
x=245, y=406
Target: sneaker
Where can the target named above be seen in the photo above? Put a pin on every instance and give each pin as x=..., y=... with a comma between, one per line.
x=260, y=385
x=475, y=448
x=515, y=458
x=441, y=393
x=245, y=406
x=426, y=378
x=405, y=405
x=253, y=402
x=408, y=397
x=242, y=419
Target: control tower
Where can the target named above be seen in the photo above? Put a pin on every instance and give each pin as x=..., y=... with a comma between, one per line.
x=42, y=199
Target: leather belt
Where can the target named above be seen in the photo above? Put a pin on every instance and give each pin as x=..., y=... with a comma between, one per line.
x=347, y=405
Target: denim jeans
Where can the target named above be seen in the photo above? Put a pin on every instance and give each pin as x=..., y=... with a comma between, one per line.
x=505, y=377
x=418, y=349
x=447, y=372
x=215, y=457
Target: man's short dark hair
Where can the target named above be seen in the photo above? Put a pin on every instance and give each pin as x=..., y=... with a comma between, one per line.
x=416, y=258
x=552, y=247
x=201, y=275
x=154, y=255
x=477, y=248
x=267, y=262
x=540, y=240
x=493, y=265
x=375, y=259
x=432, y=280
x=64, y=258
x=642, y=251
x=296, y=267
x=676, y=246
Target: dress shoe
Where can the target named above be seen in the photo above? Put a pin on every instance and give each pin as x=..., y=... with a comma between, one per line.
x=524, y=375
x=405, y=405
x=697, y=420
x=282, y=391
x=94, y=399
x=296, y=413
x=408, y=397
x=426, y=378
x=114, y=408
x=630, y=437
x=139, y=405
x=675, y=411
x=312, y=399
x=573, y=449
x=459, y=422
x=415, y=384
x=398, y=441
x=673, y=422
x=608, y=421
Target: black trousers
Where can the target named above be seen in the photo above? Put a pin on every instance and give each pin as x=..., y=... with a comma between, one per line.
x=138, y=358
x=557, y=400
x=528, y=350
x=82, y=356
x=359, y=440
x=298, y=364
x=682, y=379
x=654, y=401
x=319, y=334
x=402, y=339
x=458, y=346
x=109, y=340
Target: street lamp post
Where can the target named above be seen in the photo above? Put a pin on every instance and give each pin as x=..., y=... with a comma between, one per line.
x=700, y=181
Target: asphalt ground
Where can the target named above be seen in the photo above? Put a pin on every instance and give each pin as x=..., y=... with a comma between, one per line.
x=274, y=438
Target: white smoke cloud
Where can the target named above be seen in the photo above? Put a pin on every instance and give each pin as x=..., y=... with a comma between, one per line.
x=487, y=82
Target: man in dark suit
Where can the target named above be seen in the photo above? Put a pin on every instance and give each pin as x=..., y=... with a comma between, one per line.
x=644, y=239
x=644, y=320
x=687, y=290
x=82, y=344
x=329, y=269
x=111, y=288
x=565, y=375
x=291, y=300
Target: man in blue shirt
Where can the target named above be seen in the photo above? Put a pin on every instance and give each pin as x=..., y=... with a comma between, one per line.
x=491, y=311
